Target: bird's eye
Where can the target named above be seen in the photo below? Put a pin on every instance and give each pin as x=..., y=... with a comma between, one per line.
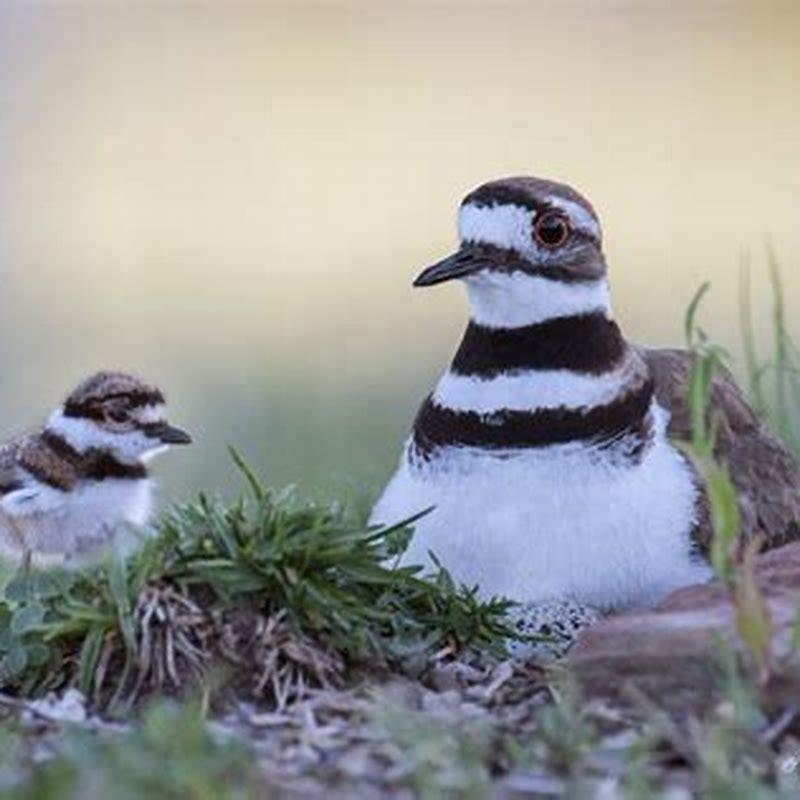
x=551, y=230
x=118, y=416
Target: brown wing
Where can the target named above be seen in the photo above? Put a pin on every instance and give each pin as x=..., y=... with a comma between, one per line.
x=45, y=465
x=11, y=477
x=763, y=470
x=29, y=456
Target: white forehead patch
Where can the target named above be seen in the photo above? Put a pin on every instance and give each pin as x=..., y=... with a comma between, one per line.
x=505, y=226
x=510, y=226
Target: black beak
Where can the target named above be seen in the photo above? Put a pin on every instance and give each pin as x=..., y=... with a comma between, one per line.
x=463, y=262
x=170, y=435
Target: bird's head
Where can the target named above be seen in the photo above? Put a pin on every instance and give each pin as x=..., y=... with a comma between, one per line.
x=530, y=249
x=118, y=414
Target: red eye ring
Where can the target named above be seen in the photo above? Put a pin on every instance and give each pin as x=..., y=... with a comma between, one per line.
x=551, y=230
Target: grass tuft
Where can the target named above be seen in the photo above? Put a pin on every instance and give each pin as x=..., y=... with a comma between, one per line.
x=774, y=383
x=266, y=585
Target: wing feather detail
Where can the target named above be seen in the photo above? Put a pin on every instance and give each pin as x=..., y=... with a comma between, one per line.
x=763, y=470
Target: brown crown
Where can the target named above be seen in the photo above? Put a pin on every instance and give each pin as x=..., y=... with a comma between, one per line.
x=104, y=386
x=524, y=191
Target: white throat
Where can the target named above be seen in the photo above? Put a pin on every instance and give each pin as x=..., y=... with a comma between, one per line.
x=501, y=300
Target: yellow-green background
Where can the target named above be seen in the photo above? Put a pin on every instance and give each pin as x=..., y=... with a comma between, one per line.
x=233, y=199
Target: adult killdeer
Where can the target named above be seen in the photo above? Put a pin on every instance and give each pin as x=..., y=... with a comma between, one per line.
x=66, y=489
x=545, y=449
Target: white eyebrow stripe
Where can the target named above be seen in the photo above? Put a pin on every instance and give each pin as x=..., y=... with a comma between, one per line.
x=147, y=414
x=581, y=218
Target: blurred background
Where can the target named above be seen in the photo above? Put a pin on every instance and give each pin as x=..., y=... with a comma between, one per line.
x=233, y=200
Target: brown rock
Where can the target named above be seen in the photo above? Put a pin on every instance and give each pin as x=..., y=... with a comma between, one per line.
x=671, y=652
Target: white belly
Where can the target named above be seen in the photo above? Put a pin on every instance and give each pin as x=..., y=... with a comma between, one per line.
x=560, y=522
x=76, y=524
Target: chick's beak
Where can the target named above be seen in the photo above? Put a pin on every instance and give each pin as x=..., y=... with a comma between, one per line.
x=169, y=434
x=461, y=263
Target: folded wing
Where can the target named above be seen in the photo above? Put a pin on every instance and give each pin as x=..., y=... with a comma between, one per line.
x=764, y=471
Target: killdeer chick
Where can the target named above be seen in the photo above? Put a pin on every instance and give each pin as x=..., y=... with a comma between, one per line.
x=545, y=450
x=68, y=488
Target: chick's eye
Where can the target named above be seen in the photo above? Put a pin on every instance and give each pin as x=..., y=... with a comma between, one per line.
x=551, y=230
x=117, y=416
